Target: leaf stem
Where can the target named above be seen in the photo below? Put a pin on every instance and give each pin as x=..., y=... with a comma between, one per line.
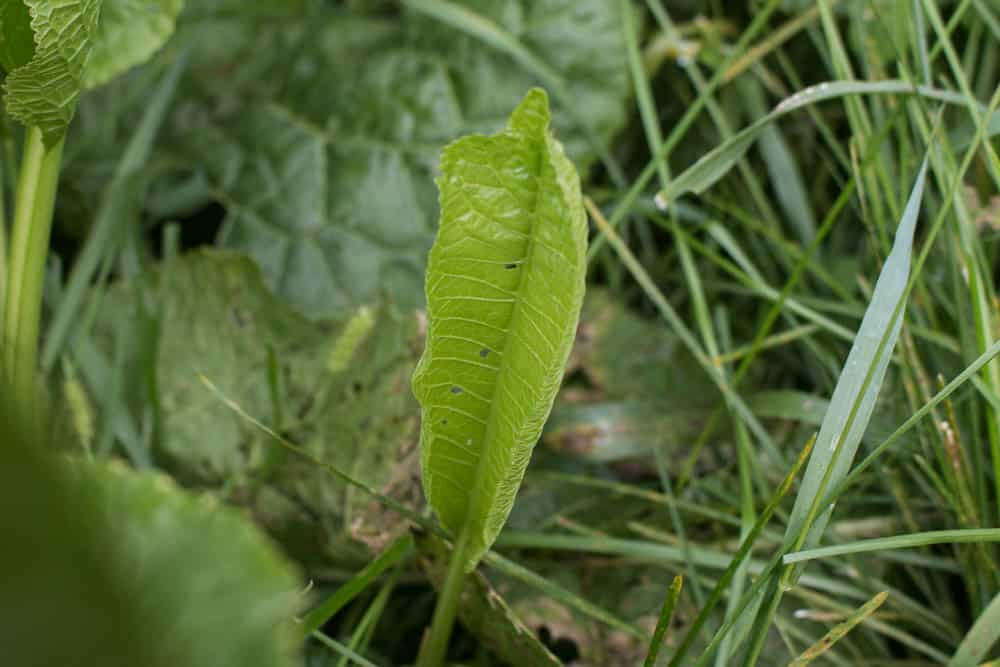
x=435, y=646
x=34, y=203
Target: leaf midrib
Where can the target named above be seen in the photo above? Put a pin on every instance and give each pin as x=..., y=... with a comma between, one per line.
x=476, y=492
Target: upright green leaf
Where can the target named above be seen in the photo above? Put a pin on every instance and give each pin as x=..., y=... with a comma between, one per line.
x=128, y=33
x=853, y=400
x=43, y=92
x=505, y=284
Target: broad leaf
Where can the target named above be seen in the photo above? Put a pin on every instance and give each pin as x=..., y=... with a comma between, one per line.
x=324, y=159
x=505, y=284
x=128, y=33
x=149, y=575
x=215, y=317
x=43, y=92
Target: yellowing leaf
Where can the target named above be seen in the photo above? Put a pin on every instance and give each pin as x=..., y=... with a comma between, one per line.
x=505, y=284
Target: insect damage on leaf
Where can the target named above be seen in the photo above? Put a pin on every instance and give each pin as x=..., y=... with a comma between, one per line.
x=505, y=284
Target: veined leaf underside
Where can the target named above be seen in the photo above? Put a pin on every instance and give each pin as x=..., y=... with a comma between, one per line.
x=505, y=284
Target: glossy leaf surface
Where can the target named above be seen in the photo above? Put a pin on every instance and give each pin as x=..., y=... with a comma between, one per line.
x=505, y=284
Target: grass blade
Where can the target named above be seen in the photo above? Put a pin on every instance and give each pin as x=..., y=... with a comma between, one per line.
x=324, y=611
x=114, y=213
x=716, y=163
x=839, y=631
x=911, y=541
x=663, y=624
x=983, y=635
x=854, y=397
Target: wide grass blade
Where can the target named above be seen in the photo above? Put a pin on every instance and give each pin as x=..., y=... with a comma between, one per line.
x=983, y=635
x=854, y=397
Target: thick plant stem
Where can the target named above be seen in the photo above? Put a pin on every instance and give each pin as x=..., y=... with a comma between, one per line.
x=34, y=203
x=3, y=238
x=434, y=649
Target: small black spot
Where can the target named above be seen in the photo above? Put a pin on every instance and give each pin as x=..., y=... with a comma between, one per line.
x=512, y=265
x=456, y=390
x=444, y=422
x=484, y=353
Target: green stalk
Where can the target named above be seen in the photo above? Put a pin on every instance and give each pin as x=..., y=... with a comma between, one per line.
x=4, y=166
x=34, y=203
x=435, y=647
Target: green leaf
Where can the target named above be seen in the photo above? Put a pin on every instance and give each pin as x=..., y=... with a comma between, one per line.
x=215, y=317
x=17, y=44
x=505, y=284
x=149, y=575
x=854, y=398
x=984, y=633
x=128, y=33
x=43, y=92
x=325, y=168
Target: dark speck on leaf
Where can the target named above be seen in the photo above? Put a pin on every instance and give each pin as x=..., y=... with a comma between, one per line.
x=484, y=352
x=444, y=422
x=456, y=390
x=512, y=265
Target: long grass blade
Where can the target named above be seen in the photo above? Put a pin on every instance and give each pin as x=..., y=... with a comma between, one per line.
x=716, y=163
x=911, y=541
x=854, y=397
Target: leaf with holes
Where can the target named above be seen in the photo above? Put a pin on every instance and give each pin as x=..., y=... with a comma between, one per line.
x=505, y=283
